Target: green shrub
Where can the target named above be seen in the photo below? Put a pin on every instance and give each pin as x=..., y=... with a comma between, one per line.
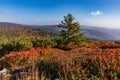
x=43, y=42
x=17, y=45
x=23, y=44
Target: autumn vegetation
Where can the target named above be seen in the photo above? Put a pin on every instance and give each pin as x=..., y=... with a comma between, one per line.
x=69, y=56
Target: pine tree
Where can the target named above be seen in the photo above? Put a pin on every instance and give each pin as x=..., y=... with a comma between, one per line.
x=71, y=30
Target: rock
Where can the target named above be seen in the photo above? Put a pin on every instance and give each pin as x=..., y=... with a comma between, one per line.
x=3, y=73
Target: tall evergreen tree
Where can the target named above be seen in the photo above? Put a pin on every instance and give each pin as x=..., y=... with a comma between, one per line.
x=71, y=30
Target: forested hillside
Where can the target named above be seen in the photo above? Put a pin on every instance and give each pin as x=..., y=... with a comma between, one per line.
x=12, y=30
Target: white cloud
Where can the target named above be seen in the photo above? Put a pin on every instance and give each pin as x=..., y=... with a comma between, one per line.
x=96, y=13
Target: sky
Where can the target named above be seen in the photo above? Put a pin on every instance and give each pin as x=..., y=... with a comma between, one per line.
x=102, y=13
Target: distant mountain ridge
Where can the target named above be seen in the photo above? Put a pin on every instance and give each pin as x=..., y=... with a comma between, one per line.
x=113, y=34
x=97, y=33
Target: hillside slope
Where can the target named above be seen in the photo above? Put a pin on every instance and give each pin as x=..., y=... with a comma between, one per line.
x=13, y=30
x=97, y=35
x=111, y=34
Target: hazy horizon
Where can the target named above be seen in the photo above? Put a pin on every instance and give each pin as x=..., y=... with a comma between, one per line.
x=101, y=13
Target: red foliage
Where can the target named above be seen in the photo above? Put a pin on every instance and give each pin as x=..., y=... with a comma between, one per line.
x=104, y=58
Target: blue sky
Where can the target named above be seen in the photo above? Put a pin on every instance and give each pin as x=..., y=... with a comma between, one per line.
x=103, y=13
